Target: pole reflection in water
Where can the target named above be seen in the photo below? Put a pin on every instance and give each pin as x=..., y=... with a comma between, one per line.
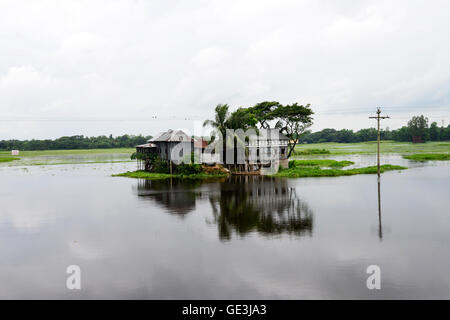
x=380, y=230
x=239, y=205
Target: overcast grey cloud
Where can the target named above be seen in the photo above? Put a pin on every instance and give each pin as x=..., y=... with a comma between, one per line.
x=175, y=60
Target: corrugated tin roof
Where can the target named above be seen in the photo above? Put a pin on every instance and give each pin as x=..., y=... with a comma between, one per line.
x=180, y=135
x=146, y=145
x=171, y=136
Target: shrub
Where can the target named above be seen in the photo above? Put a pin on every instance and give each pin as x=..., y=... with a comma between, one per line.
x=188, y=169
x=160, y=166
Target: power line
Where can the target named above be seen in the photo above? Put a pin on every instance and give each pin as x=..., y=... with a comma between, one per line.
x=338, y=111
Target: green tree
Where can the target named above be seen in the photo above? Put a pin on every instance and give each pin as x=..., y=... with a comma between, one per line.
x=264, y=112
x=344, y=135
x=293, y=120
x=220, y=124
x=418, y=127
x=444, y=133
x=434, y=132
x=242, y=118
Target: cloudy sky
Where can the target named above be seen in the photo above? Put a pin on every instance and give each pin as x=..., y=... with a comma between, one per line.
x=129, y=66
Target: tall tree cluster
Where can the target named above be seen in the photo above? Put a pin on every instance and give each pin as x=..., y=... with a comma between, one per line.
x=292, y=120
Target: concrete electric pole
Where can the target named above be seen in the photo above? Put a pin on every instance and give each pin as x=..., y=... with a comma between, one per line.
x=378, y=117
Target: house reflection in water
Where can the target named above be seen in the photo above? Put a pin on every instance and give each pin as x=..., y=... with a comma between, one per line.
x=240, y=204
x=175, y=195
x=265, y=205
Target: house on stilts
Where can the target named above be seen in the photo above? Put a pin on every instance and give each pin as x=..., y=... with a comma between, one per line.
x=256, y=151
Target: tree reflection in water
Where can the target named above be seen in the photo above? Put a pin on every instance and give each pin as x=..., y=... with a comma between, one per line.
x=240, y=204
x=266, y=205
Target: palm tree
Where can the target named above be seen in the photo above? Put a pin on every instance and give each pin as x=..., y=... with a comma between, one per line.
x=220, y=123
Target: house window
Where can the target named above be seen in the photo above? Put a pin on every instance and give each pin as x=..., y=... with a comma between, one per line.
x=283, y=150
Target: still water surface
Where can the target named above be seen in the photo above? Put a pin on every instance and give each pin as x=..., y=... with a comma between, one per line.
x=241, y=237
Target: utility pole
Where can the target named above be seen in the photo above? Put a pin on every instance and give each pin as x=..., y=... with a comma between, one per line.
x=378, y=117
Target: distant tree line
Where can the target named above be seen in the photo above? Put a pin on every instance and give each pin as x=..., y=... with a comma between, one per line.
x=292, y=120
x=417, y=127
x=75, y=142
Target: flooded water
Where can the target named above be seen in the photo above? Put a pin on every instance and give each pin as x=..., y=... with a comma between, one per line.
x=233, y=238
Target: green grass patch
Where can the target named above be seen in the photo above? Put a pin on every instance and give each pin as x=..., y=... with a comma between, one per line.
x=8, y=159
x=66, y=157
x=111, y=151
x=48, y=163
x=386, y=146
x=428, y=156
x=306, y=171
x=300, y=152
x=319, y=163
x=140, y=174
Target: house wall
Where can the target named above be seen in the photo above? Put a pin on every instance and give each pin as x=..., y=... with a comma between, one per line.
x=181, y=150
x=259, y=151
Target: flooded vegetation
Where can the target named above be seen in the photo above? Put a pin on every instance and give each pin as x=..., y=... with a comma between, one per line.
x=371, y=147
x=428, y=157
x=228, y=237
x=66, y=157
x=328, y=168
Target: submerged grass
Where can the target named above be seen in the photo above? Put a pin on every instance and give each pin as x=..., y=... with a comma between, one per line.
x=48, y=163
x=8, y=159
x=369, y=147
x=428, y=156
x=307, y=171
x=39, y=153
x=300, y=152
x=140, y=174
x=67, y=157
x=320, y=163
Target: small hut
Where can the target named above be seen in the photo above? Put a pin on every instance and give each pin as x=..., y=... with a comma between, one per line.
x=145, y=150
x=173, y=146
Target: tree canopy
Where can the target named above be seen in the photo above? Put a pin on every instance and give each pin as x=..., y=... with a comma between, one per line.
x=76, y=142
x=293, y=120
x=418, y=127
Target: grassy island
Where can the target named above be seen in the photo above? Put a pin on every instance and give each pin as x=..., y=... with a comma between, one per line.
x=328, y=168
x=297, y=169
x=428, y=157
x=141, y=174
x=320, y=163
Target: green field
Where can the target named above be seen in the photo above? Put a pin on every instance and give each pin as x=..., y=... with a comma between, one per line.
x=8, y=159
x=428, y=157
x=371, y=147
x=5, y=156
x=39, y=153
x=59, y=157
